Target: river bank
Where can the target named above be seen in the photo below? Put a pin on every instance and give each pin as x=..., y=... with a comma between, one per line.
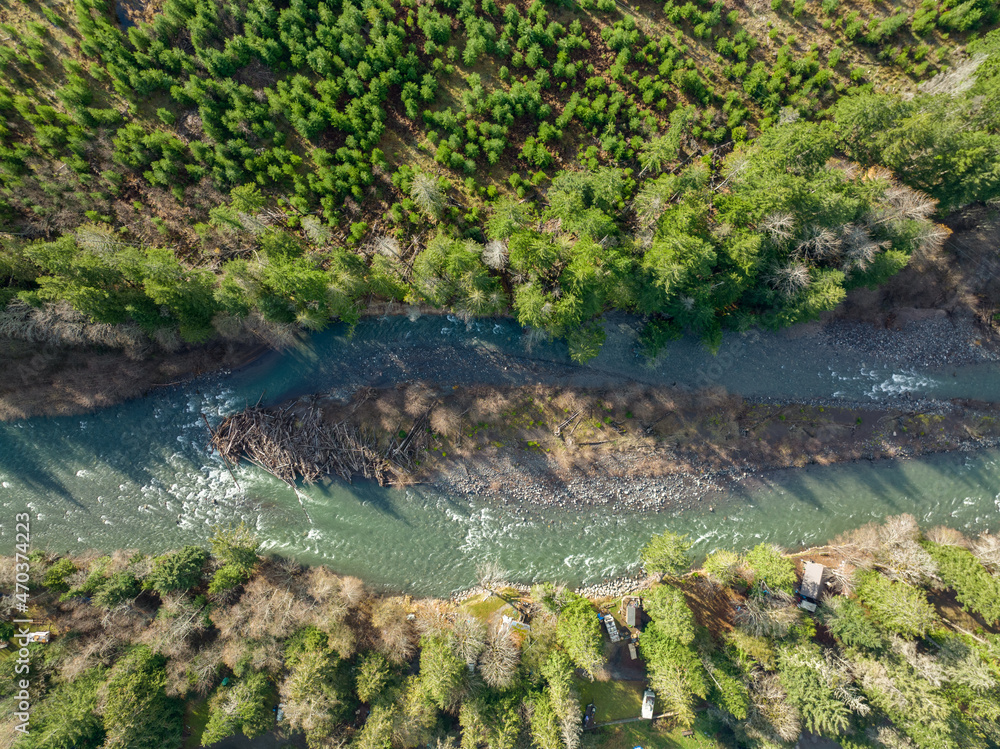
x=214, y=628
x=937, y=313
x=48, y=380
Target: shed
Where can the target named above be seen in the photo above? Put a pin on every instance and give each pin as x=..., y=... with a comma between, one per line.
x=811, y=588
x=633, y=617
x=631, y=651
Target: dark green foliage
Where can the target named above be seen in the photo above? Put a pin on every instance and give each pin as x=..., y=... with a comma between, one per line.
x=975, y=588
x=115, y=589
x=55, y=576
x=666, y=553
x=772, y=570
x=579, y=633
x=372, y=676
x=138, y=714
x=451, y=273
x=896, y=606
x=237, y=548
x=176, y=572
x=441, y=671
x=242, y=707
x=727, y=686
x=226, y=578
x=811, y=684
x=676, y=673
x=67, y=718
x=296, y=112
x=317, y=691
x=945, y=146
x=938, y=692
x=670, y=614
x=847, y=620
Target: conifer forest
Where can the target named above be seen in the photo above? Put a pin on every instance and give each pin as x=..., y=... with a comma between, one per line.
x=194, y=169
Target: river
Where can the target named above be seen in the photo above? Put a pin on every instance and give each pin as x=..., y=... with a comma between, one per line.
x=138, y=475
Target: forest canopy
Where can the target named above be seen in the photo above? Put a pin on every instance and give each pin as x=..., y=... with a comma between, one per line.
x=222, y=169
x=886, y=661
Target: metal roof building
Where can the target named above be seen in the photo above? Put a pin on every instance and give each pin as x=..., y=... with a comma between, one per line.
x=811, y=588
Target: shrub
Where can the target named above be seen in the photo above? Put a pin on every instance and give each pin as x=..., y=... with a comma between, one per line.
x=722, y=566
x=55, y=576
x=176, y=572
x=771, y=568
x=666, y=553
x=115, y=589
x=228, y=577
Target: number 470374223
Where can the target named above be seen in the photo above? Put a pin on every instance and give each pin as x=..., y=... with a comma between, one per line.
x=22, y=542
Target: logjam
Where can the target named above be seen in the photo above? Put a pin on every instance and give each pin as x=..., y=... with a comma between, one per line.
x=293, y=442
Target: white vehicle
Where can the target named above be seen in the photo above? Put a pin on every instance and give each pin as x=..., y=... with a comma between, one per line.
x=648, y=700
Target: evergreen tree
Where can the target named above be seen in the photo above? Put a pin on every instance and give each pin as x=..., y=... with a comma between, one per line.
x=137, y=712
x=579, y=632
x=666, y=553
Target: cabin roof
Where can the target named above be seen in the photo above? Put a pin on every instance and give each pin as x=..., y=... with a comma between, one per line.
x=631, y=614
x=812, y=580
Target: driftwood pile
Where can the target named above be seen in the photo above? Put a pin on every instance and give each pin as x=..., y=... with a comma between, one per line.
x=296, y=442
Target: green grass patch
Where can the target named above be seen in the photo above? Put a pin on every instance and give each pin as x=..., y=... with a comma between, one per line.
x=196, y=716
x=485, y=609
x=614, y=700
x=649, y=736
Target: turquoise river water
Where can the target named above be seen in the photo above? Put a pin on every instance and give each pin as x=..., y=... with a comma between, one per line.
x=138, y=475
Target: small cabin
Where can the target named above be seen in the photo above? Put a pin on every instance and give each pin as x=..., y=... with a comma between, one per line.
x=512, y=625
x=632, y=609
x=812, y=587
x=633, y=615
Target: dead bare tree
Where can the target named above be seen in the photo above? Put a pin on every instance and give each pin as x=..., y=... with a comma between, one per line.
x=892, y=547
x=468, y=637
x=396, y=636
x=767, y=616
x=770, y=716
x=498, y=662
x=987, y=550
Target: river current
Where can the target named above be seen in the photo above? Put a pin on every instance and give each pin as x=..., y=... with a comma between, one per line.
x=139, y=475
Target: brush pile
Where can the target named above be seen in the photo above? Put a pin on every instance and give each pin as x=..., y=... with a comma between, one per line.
x=293, y=442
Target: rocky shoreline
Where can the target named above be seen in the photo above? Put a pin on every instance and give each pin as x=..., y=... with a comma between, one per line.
x=613, y=587
x=508, y=484
x=917, y=338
